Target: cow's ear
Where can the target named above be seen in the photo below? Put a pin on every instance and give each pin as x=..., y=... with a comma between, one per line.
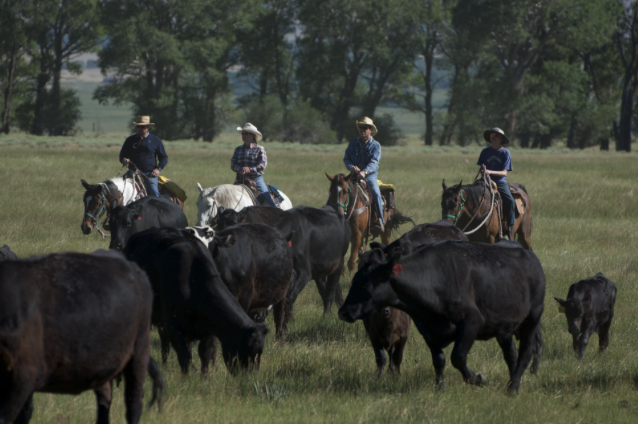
x=85, y=184
x=444, y=185
x=560, y=301
x=209, y=232
x=191, y=231
x=330, y=177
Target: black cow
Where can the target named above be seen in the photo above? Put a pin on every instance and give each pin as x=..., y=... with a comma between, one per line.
x=458, y=292
x=191, y=302
x=148, y=212
x=388, y=327
x=320, y=239
x=255, y=262
x=71, y=322
x=250, y=215
x=6, y=254
x=589, y=308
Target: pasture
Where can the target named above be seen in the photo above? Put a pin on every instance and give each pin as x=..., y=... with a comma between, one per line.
x=585, y=220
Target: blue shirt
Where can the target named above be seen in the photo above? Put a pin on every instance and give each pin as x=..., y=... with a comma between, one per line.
x=366, y=157
x=496, y=160
x=145, y=154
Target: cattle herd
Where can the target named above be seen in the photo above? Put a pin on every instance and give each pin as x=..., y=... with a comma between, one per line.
x=71, y=322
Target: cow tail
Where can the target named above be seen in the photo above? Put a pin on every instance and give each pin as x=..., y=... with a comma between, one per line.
x=158, y=383
x=397, y=219
x=537, y=349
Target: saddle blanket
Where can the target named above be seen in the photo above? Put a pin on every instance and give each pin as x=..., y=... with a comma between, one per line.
x=172, y=187
x=385, y=186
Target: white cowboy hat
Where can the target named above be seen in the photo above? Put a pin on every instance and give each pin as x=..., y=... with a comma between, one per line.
x=495, y=130
x=367, y=121
x=143, y=120
x=248, y=127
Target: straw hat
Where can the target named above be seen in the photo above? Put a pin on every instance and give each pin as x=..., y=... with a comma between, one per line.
x=248, y=127
x=143, y=120
x=367, y=121
x=495, y=130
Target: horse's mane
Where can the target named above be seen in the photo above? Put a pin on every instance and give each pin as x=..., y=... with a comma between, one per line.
x=225, y=195
x=474, y=192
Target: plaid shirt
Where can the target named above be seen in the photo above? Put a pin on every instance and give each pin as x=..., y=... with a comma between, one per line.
x=253, y=157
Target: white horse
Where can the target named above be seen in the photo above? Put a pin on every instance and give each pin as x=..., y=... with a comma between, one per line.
x=229, y=196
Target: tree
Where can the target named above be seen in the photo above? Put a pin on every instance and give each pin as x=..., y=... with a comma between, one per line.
x=61, y=30
x=626, y=40
x=171, y=60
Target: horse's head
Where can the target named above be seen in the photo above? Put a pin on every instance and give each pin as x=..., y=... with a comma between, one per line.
x=94, y=206
x=206, y=207
x=339, y=192
x=451, y=202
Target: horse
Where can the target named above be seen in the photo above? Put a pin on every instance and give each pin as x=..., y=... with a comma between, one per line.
x=351, y=201
x=98, y=197
x=474, y=209
x=229, y=196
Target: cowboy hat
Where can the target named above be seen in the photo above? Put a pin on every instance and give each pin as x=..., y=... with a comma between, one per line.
x=495, y=130
x=248, y=127
x=367, y=121
x=143, y=120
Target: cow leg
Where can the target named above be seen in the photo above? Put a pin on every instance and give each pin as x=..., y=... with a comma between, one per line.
x=467, y=332
x=165, y=344
x=134, y=376
x=330, y=289
x=104, y=396
x=525, y=352
x=583, y=340
x=16, y=393
x=303, y=277
x=207, y=350
x=397, y=354
x=279, y=314
x=25, y=413
x=509, y=352
x=438, y=357
x=379, y=355
x=603, y=335
x=183, y=351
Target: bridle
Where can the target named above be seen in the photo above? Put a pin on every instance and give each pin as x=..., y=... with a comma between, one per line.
x=456, y=217
x=94, y=219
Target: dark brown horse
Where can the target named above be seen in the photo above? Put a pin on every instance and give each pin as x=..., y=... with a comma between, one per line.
x=347, y=197
x=98, y=197
x=474, y=209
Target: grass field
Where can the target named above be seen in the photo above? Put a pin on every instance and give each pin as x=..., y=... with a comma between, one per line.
x=585, y=221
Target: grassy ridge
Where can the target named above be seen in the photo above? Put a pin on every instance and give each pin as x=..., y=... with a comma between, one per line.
x=585, y=221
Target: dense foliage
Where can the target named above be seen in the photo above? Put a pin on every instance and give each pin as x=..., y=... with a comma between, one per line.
x=542, y=70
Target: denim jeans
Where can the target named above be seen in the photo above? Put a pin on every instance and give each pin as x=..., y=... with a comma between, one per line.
x=263, y=189
x=371, y=180
x=151, y=188
x=508, y=202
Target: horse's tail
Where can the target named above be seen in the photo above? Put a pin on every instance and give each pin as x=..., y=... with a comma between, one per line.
x=522, y=188
x=397, y=219
x=537, y=349
x=158, y=383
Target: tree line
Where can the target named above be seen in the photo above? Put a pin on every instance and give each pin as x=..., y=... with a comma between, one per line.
x=542, y=69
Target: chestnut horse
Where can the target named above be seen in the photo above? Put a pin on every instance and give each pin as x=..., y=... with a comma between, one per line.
x=474, y=209
x=347, y=198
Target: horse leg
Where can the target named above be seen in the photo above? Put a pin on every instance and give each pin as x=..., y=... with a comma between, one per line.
x=355, y=245
x=525, y=230
x=387, y=229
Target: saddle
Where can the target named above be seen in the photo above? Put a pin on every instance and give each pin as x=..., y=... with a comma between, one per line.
x=520, y=200
x=387, y=198
x=273, y=191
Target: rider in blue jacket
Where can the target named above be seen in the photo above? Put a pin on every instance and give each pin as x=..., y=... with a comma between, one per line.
x=362, y=156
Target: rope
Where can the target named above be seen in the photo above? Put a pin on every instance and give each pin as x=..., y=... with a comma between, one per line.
x=488, y=214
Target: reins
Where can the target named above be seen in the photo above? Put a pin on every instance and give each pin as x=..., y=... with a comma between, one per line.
x=487, y=183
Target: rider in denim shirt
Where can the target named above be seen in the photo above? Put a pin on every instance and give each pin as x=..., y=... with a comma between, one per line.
x=362, y=156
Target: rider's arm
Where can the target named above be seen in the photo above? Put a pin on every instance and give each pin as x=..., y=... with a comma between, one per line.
x=234, y=161
x=263, y=161
x=375, y=157
x=162, y=156
x=502, y=173
x=349, y=153
x=124, y=152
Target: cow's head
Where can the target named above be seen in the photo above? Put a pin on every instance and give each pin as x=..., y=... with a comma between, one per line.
x=94, y=206
x=206, y=206
x=122, y=222
x=574, y=311
x=451, y=202
x=204, y=234
x=371, y=287
x=227, y=218
x=340, y=192
x=244, y=350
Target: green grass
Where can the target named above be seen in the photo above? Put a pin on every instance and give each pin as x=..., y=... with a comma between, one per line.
x=585, y=221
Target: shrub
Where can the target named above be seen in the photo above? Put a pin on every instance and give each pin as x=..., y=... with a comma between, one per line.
x=304, y=124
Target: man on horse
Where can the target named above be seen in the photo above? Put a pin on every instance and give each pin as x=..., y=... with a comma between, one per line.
x=145, y=150
x=496, y=161
x=249, y=161
x=362, y=157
